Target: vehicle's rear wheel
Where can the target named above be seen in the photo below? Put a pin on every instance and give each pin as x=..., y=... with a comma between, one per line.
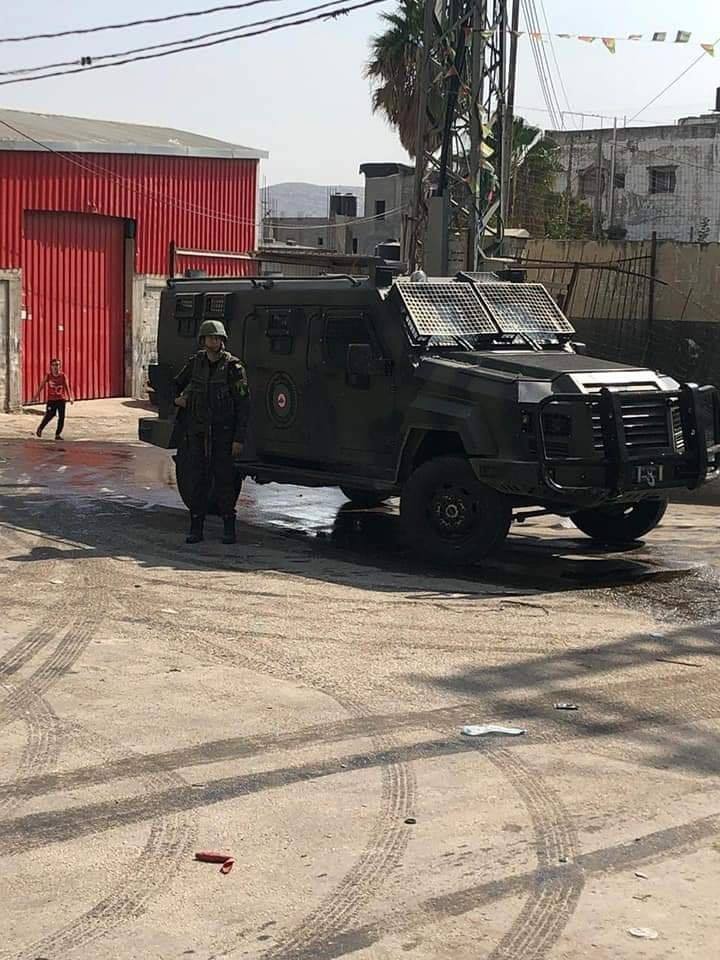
x=364, y=498
x=183, y=476
x=621, y=523
x=451, y=517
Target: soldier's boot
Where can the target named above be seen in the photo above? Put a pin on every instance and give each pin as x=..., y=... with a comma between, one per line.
x=196, y=530
x=229, y=532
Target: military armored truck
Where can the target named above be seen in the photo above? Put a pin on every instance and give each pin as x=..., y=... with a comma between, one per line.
x=466, y=397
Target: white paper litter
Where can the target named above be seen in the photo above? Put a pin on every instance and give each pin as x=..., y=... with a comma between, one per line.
x=474, y=730
x=56, y=581
x=643, y=933
x=168, y=610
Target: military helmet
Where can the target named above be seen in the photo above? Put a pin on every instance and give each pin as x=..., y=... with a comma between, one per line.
x=212, y=328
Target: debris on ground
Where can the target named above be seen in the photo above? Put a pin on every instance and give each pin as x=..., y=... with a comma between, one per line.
x=481, y=730
x=410, y=820
x=643, y=933
x=566, y=706
x=641, y=876
x=680, y=663
x=211, y=856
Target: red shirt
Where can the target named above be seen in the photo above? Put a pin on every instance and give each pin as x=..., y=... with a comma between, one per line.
x=57, y=387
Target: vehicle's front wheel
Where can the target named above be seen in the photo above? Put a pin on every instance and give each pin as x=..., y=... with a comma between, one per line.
x=621, y=523
x=364, y=498
x=451, y=517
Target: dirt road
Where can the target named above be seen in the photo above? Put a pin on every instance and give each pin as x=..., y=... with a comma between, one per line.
x=296, y=701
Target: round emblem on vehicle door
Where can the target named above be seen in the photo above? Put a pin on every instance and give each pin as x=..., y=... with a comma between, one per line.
x=282, y=400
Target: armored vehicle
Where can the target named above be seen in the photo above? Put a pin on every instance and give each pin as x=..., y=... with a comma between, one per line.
x=465, y=396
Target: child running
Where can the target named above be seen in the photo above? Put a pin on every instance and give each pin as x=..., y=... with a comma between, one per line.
x=59, y=393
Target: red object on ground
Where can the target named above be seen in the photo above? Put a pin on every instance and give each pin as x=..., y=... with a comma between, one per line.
x=210, y=856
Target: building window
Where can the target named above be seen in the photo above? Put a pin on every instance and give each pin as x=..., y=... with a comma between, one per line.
x=354, y=245
x=320, y=241
x=589, y=183
x=662, y=180
x=380, y=209
x=619, y=181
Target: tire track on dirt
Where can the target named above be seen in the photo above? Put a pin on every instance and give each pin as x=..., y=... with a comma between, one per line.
x=388, y=838
x=170, y=840
x=551, y=904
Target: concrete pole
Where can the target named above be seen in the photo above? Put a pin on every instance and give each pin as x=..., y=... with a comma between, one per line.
x=422, y=82
x=509, y=114
x=611, y=206
x=597, y=211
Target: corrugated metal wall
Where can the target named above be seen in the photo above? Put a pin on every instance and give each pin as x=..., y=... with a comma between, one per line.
x=74, y=292
x=206, y=204
x=199, y=203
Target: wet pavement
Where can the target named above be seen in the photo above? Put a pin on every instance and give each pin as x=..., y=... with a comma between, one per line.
x=541, y=553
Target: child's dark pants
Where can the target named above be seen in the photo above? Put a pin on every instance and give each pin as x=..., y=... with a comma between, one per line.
x=54, y=407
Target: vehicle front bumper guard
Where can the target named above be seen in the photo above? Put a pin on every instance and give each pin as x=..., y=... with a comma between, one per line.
x=695, y=462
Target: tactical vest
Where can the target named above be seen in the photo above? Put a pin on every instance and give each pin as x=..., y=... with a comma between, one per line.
x=209, y=394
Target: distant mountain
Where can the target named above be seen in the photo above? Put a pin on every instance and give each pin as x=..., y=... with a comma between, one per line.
x=304, y=199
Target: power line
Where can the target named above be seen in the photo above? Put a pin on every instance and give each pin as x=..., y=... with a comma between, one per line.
x=672, y=83
x=87, y=61
x=554, y=56
x=544, y=80
x=330, y=15
x=77, y=31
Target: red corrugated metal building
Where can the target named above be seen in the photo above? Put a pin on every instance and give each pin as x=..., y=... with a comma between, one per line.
x=87, y=208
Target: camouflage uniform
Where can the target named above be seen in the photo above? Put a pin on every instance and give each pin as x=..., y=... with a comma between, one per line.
x=216, y=416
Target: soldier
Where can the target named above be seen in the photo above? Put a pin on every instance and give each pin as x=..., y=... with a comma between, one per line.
x=213, y=392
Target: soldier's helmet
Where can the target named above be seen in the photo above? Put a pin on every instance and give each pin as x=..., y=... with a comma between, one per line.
x=212, y=328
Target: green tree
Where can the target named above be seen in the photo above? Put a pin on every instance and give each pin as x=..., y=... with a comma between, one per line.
x=392, y=68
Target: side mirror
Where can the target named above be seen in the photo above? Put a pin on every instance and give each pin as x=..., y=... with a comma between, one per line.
x=579, y=348
x=359, y=359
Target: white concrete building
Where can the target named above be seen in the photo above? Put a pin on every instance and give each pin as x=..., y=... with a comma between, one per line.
x=663, y=179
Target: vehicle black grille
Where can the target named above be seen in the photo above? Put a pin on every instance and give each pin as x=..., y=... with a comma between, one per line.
x=646, y=422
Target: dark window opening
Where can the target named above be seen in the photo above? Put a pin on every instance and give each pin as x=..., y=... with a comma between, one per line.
x=380, y=209
x=662, y=180
x=185, y=316
x=342, y=329
x=354, y=245
x=619, y=181
x=320, y=241
x=589, y=182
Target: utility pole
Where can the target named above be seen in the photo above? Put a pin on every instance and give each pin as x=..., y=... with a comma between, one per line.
x=509, y=114
x=613, y=160
x=461, y=90
x=597, y=209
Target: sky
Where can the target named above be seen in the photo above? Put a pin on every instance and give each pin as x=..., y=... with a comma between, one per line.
x=301, y=93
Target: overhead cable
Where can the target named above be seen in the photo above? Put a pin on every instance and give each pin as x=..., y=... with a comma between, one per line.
x=123, y=25
x=88, y=61
x=329, y=15
x=672, y=83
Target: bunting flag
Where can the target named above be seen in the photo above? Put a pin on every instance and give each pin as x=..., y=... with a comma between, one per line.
x=610, y=43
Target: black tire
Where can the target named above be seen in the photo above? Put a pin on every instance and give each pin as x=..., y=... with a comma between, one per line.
x=449, y=516
x=364, y=498
x=622, y=523
x=183, y=475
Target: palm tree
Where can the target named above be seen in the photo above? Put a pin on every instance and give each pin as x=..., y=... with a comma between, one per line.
x=393, y=69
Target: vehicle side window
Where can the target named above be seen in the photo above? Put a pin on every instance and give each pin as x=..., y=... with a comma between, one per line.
x=282, y=325
x=186, y=315
x=342, y=329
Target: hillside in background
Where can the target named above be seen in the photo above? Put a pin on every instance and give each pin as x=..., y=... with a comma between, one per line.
x=304, y=199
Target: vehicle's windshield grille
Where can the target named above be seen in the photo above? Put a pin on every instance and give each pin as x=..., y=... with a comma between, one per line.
x=523, y=308
x=444, y=308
